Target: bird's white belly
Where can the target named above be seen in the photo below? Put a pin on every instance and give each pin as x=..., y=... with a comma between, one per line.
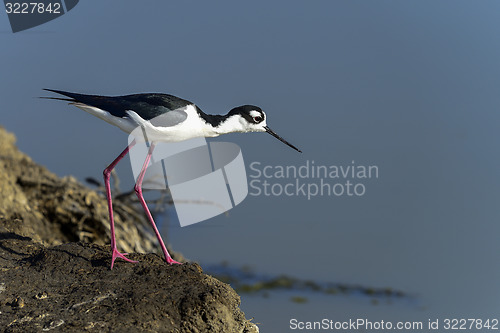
x=144, y=130
x=176, y=133
x=157, y=130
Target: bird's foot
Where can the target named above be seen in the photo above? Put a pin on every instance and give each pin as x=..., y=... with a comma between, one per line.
x=171, y=261
x=117, y=254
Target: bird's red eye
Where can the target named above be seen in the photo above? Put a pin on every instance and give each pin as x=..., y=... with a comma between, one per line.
x=257, y=119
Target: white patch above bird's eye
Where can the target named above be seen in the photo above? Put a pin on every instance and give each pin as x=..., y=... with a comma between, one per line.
x=254, y=114
x=257, y=117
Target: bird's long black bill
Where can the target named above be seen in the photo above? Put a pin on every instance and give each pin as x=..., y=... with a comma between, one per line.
x=270, y=131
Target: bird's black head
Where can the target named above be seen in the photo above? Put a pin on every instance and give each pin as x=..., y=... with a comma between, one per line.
x=251, y=113
x=253, y=119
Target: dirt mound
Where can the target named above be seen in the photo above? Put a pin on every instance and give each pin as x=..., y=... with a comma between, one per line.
x=54, y=264
x=36, y=203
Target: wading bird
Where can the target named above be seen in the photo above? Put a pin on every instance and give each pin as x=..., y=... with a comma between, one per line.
x=180, y=120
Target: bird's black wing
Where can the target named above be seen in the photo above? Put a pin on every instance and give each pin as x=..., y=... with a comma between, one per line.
x=147, y=106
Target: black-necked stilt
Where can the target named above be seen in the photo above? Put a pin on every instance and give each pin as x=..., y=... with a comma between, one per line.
x=182, y=120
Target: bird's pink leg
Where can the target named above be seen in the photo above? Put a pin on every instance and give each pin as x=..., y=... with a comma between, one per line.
x=138, y=191
x=107, y=173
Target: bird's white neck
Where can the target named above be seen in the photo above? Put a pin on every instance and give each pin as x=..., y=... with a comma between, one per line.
x=231, y=124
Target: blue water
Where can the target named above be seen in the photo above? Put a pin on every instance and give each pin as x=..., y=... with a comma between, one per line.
x=411, y=87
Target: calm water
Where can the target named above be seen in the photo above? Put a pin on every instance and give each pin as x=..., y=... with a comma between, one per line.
x=408, y=87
